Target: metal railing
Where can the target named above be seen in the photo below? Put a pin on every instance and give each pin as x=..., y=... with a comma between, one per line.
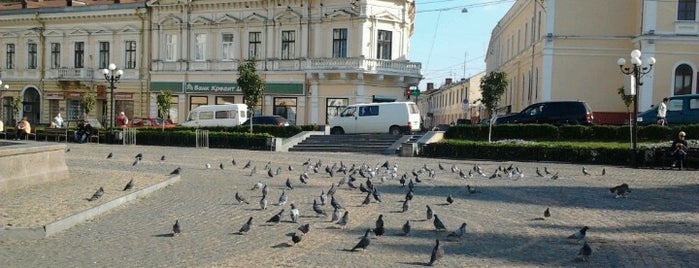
x=128, y=136
x=202, y=136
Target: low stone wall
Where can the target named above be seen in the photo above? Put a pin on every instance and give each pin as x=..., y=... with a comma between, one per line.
x=25, y=163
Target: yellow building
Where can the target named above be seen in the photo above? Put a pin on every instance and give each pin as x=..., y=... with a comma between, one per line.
x=557, y=49
x=452, y=101
x=315, y=56
x=52, y=53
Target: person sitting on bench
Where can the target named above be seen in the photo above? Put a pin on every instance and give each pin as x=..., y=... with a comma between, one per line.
x=679, y=149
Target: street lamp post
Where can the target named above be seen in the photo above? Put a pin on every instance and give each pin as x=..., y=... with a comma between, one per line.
x=112, y=75
x=636, y=71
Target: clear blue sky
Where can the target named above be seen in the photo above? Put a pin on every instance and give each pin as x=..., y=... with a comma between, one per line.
x=445, y=37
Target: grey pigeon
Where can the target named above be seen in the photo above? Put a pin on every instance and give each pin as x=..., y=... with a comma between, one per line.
x=450, y=199
x=429, y=212
x=438, y=225
x=248, y=164
x=288, y=184
x=406, y=205
x=604, y=172
x=270, y=173
x=555, y=176
x=364, y=242
x=579, y=235
x=240, y=198
x=263, y=202
x=257, y=185
x=253, y=171
x=406, y=228
x=294, y=212
x=135, y=162
x=336, y=215
x=437, y=253
x=318, y=209
x=547, y=213
x=109, y=155
x=129, y=185
x=323, y=197
x=233, y=162
x=290, y=168
x=376, y=194
x=246, y=227
x=335, y=203
x=296, y=238
x=546, y=170
x=471, y=190
x=277, y=217
x=620, y=190
x=139, y=156
x=585, y=252
x=305, y=228
x=409, y=195
x=367, y=199
x=265, y=190
x=283, y=198
x=344, y=220
x=97, y=194
x=162, y=158
x=303, y=178
x=379, y=230
x=585, y=172
x=220, y=165
x=176, y=228
x=459, y=232
x=538, y=172
x=176, y=171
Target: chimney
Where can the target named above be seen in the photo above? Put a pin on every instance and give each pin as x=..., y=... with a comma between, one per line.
x=447, y=81
x=430, y=86
x=69, y=3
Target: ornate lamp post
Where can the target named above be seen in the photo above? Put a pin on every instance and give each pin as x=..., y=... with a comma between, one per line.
x=112, y=75
x=636, y=71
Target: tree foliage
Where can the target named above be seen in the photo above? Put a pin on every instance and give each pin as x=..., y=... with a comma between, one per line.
x=251, y=84
x=627, y=99
x=16, y=105
x=88, y=101
x=164, y=101
x=493, y=85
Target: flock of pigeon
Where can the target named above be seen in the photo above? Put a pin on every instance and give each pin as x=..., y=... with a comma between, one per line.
x=381, y=172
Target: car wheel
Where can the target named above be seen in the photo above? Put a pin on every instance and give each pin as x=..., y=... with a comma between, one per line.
x=394, y=130
x=337, y=131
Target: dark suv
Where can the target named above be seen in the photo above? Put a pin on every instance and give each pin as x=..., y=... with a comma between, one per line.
x=551, y=112
x=268, y=120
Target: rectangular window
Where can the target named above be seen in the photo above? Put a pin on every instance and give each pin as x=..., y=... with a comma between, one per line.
x=254, y=45
x=383, y=43
x=369, y=110
x=55, y=55
x=333, y=107
x=196, y=101
x=31, y=56
x=288, y=48
x=170, y=47
x=340, y=43
x=686, y=10
x=10, y=57
x=227, y=46
x=286, y=107
x=199, y=47
x=104, y=55
x=225, y=99
x=74, y=110
x=79, y=55
x=130, y=54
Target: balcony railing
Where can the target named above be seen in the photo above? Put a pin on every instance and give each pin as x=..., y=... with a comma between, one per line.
x=359, y=64
x=70, y=73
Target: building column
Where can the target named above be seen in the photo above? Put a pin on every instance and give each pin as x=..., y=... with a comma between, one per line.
x=314, y=102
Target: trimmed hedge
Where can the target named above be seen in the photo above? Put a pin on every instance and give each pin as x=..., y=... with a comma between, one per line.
x=543, y=132
x=187, y=138
x=276, y=131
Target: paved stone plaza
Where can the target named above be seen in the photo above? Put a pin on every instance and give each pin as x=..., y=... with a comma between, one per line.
x=656, y=226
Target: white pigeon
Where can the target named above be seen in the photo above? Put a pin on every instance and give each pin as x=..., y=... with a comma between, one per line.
x=294, y=213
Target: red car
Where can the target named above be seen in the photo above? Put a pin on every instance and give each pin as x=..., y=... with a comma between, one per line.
x=150, y=122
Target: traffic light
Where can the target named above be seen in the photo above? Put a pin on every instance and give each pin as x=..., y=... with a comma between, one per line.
x=407, y=93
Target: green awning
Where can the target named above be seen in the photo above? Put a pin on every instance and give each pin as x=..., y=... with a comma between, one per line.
x=171, y=86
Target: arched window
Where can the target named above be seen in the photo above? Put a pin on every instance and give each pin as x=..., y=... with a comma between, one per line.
x=683, y=79
x=686, y=10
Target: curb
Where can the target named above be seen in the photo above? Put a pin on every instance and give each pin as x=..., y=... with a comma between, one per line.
x=27, y=233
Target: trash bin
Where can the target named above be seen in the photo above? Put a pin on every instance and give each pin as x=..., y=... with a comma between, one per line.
x=408, y=149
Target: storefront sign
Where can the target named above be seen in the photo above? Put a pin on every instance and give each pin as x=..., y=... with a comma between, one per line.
x=54, y=95
x=74, y=95
x=212, y=87
x=123, y=96
x=208, y=87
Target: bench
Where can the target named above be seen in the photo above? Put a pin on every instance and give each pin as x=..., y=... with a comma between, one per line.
x=664, y=158
x=56, y=134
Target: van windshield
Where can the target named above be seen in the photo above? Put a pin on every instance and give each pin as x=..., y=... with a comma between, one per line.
x=414, y=109
x=190, y=116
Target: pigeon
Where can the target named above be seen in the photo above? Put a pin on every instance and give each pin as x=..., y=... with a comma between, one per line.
x=241, y=199
x=263, y=202
x=318, y=209
x=308, y=162
x=459, y=232
x=471, y=190
x=555, y=176
x=270, y=173
x=585, y=172
x=323, y=197
x=67, y=150
x=438, y=225
x=546, y=170
x=406, y=205
x=288, y=184
x=283, y=198
x=208, y=165
x=364, y=242
x=547, y=213
x=109, y=156
x=294, y=212
x=538, y=172
x=579, y=235
x=246, y=227
x=604, y=172
x=290, y=168
x=344, y=220
x=450, y=200
x=97, y=194
x=441, y=167
x=220, y=165
x=265, y=190
x=176, y=228
x=233, y=162
x=253, y=171
x=367, y=199
x=139, y=156
x=248, y=164
x=437, y=253
x=304, y=228
x=406, y=228
x=135, y=162
x=620, y=190
x=295, y=238
x=379, y=230
x=303, y=178
x=336, y=215
x=335, y=203
x=176, y=171
x=257, y=185
x=277, y=217
x=376, y=194
x=129, y=185
x=363, y=189
x=162, y=158
x=585, y=252
x=429, y=212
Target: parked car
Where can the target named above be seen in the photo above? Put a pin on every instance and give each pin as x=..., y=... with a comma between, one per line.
x=150, y=122
x=681, y=109
x=268, y=120
x=551, y=112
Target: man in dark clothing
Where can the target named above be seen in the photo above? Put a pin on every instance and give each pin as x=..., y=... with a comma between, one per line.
x=679, y=149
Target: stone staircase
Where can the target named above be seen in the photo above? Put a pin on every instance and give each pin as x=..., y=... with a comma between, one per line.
x=364, y=143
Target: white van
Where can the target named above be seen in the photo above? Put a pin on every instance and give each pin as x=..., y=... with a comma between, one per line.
x=224, y=115
x=388, y=117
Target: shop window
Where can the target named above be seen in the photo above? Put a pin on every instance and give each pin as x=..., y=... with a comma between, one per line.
x=196, y=101
x=333, y=107
x=285, y=107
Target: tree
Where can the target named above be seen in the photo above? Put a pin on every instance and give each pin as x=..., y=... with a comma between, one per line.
x=493, y=85
x=16, y=105
x=628, y=100
x=252, y=86
x=88, y=102
x=164, y=101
